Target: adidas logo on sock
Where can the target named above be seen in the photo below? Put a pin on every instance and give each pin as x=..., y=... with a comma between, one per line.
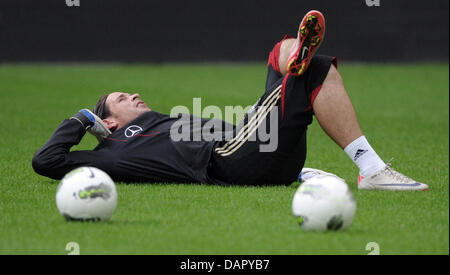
x=359, y=153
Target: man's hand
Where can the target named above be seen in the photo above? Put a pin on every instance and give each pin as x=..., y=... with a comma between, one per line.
x=92, y=123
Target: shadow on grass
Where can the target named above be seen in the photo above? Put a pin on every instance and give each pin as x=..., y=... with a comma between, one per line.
x=185, y=184
x=116, y=222
x=197, y=184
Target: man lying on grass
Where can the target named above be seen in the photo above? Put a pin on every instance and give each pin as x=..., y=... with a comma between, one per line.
x=138, y=145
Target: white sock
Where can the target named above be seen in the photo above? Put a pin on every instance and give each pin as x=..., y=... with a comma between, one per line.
x=363, y=155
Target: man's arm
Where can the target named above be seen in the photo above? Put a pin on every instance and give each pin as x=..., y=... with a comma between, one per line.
x=54, y=159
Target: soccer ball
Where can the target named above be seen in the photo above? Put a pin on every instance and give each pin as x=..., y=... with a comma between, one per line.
x=86, y=194
x=324, y=202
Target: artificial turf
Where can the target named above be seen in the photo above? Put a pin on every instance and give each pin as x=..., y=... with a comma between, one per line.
x=403, y=110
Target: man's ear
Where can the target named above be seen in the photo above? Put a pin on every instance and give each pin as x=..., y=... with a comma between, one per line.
x=110, y=124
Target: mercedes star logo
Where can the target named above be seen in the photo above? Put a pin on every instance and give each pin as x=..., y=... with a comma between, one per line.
x=132, y=130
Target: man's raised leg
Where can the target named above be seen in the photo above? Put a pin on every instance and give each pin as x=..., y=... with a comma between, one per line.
x=334, y=110
x=335, y=114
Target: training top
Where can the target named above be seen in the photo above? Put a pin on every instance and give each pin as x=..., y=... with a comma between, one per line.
x=141, y=151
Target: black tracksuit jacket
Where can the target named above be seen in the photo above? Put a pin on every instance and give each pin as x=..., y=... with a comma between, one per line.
x=142, y=151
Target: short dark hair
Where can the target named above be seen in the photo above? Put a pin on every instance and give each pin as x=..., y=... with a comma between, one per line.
x=100, y=109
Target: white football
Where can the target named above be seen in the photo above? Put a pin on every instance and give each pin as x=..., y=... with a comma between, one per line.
x=323, y=203
x=86, y=194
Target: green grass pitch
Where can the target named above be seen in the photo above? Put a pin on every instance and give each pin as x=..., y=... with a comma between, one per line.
x=403, y=111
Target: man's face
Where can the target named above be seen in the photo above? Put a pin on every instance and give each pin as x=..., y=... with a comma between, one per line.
x=124, y=108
